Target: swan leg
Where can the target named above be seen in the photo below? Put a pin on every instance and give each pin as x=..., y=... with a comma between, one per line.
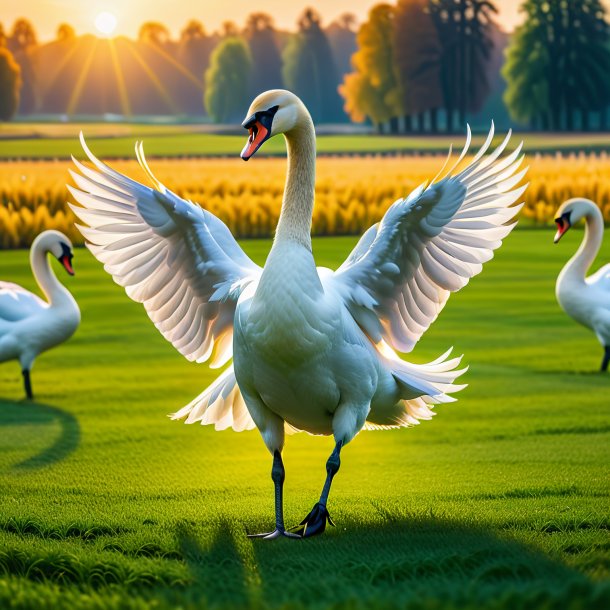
x=606, y=359
x=27, y=383
x=315, y=522
x=278, y=474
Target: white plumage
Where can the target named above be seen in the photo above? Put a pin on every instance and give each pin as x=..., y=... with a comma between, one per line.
x=312, y=349
x=29, y=325
x=585, y=299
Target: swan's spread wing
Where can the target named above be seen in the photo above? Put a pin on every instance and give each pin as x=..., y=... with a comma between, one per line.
x=17, y=303
x=176, y=258
x=402, y=271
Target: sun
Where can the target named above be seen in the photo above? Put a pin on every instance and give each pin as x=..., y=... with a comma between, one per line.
x=105, y=23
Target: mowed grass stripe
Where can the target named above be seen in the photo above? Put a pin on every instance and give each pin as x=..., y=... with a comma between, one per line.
x=499, y=502
x=118, y=142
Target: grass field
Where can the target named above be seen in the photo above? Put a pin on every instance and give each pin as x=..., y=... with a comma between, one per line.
x=500, y=502
x=40, y=140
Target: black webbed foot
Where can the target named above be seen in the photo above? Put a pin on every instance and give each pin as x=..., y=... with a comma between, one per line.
x=315, y=522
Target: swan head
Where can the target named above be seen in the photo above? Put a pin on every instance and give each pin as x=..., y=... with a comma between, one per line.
x=569, y=213
x=272, y=112
x=58, y=245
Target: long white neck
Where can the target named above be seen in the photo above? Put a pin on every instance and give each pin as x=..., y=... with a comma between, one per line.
x=577, y=267
x=55, y=292
x=297, y=206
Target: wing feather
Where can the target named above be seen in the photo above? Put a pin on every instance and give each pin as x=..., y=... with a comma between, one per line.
x=402, y=271
x=177, y=259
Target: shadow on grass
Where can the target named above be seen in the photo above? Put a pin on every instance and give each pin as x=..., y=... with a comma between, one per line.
x=419, y=563
x=31, y=413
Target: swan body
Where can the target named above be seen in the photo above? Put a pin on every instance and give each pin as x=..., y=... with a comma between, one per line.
x=585, y=299
x=28, y=324
x=313, y=349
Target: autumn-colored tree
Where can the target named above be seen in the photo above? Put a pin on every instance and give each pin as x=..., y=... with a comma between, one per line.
x=309, y=69
x=226, y=80
x=266, y=59
x=372, y=90
x=2, y=36
x=417, y=56
x=558, y=64
x=10, y=85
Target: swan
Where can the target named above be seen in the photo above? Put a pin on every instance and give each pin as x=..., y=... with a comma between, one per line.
x=586, y=299
x=312, y=349
x=29, y=325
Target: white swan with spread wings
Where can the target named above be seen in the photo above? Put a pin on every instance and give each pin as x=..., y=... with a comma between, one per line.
x=312, y=349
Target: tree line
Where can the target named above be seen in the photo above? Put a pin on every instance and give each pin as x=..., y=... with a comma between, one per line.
x=423, y=65
x=412, y=66
x=197, y=73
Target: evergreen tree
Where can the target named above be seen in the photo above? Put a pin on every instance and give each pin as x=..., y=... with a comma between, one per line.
x=226, y=80
x=558, y=64
x=309, y=69
x=266, y=59
x=341, y=35
x=465, y=33
x=10, y=85
x=372, y=90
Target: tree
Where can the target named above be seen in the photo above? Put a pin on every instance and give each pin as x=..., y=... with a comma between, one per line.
x=417, y=56
x=10, y=85
x=226, y=80
x=309, y=69
x=558, y=63
x=194, y=50
x=154, y=33
x=266, y=59
x=464, y=30
x=23, y=35
x=65, y=32
x=372, y=90
x=23, y=44
x=341, y=35
x=229, y=29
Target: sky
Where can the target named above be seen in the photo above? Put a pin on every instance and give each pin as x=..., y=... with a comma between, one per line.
x=46, y=15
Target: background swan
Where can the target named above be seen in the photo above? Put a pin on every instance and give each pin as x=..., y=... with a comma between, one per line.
x=29, y=325
x=586, y=299
x=313, y=349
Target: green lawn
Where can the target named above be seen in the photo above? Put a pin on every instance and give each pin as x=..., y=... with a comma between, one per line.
x=25, y=141
x=500, y=502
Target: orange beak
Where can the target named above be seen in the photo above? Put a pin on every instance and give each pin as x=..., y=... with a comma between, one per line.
x=67, y=263
x=258, y=134
x=562, y=226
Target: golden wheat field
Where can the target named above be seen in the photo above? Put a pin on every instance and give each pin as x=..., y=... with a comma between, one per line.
x=351, y=193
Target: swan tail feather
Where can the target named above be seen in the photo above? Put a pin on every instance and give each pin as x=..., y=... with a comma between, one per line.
x=421, y=386
x=220, y=404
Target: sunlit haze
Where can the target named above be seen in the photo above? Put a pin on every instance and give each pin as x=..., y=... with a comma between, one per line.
x=105, y=23
x=46, y=15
